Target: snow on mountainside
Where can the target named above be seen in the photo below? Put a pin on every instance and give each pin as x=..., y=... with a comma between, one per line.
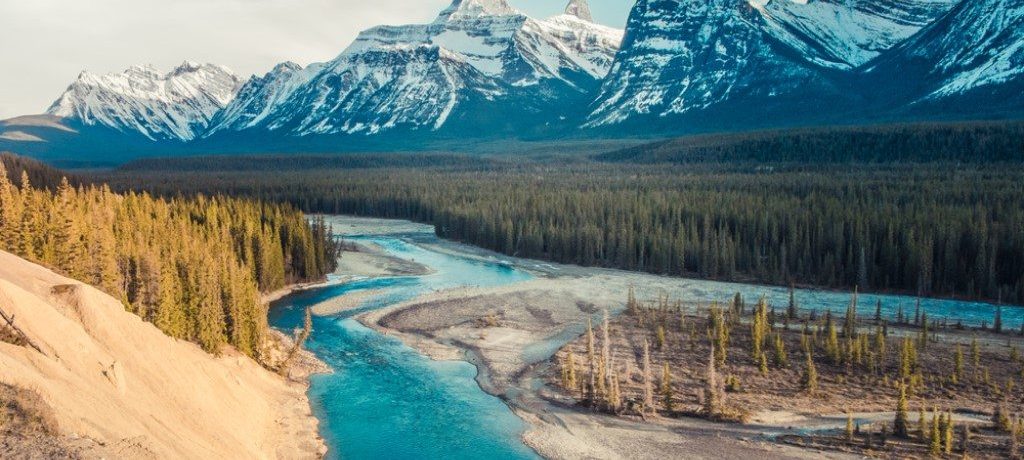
x=685, y=56
x=849, y=33
x=174, y=106
x=481, y=69
x=975, y=52
x=416, y=76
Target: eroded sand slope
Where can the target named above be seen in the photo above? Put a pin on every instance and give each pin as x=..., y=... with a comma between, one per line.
x=137, y=393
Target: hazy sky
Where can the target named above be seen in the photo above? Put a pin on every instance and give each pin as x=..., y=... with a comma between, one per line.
x=44, y=44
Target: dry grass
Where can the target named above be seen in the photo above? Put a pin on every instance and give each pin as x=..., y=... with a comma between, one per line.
x=24, y=412
x=841, y=388
x=8, y=335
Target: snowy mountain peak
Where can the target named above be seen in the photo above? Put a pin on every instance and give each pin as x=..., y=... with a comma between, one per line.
x=287, y=66
x=468, y=9
x=141, y=100
x=580, y=9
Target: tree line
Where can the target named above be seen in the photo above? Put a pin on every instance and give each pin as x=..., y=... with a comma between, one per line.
x=195, y=267
x=961, y=142
x=923, y=229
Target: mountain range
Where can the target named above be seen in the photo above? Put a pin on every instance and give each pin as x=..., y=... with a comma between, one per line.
x=483, y=70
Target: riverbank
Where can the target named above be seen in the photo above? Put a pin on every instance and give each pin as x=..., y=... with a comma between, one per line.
x=511, y=332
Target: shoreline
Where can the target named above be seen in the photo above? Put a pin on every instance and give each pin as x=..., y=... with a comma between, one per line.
x=510, y=332
x=556, y=430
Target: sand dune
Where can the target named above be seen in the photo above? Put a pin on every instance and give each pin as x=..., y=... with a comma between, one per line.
x=136, y=393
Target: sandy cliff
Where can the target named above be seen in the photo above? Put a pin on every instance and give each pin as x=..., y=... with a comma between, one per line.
x=133, y=392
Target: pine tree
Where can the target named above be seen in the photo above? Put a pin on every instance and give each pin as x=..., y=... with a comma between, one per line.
x=958, y=363
x=923, y=427
x=781, y=357
x=850, y=321
x=878, y=311
x=571, y=379
x=759, y=329
x=901, y=426
x=832, y=349
x=935, y=447
x=947, y=434
x=606, y=354
x=849, y=426
x=712, y=391
x=666, y=389
x=648, y=403
x=1001, y=420
x=792, y=312
x=975, y=358
x=809, y=380
x=632, y=305
x=997, y=324
x=592, y=395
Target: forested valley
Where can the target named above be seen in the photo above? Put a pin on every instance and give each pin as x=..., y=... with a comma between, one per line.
x=938, y=229
x=194, y=267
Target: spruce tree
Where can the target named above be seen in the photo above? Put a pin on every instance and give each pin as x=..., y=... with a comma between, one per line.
x=809, y=380
x=901, y=425
x=712, y=390
x=935, y=446
x=849, y=426
x=958, y=363
x=592, y=395
x=571, y=380
x=666, y=389
x=648, y=402
x=781, y=357
x=792, y=312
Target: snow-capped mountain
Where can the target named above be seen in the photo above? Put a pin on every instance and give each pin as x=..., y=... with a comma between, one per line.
x=780, y=56
x=846, y=34
x=141, y=100
x=970, y=60
x=483, y=69
x=425, y=75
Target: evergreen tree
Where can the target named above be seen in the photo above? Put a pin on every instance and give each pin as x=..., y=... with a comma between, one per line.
x=781, y=357
x=666, y=389
x=712, y=388
x=958, y=363
x=592, y=395
x=792, y=312
x=809, y=381
x=850, y=321
x=648, y=403
x=901, y=425
x=849, y=426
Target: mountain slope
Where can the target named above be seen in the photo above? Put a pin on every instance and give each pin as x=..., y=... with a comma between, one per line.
x=476, y=53
x=686, y=56
x=131, y=391
x=759, y=62
x=173, y=106
x=969, y=61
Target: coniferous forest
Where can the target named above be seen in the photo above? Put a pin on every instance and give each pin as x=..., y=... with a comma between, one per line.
x=193, y=267
x=935, y=229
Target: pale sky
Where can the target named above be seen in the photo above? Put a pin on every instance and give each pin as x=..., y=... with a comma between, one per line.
x=44, y=44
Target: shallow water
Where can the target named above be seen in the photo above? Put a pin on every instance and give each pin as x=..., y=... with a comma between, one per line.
x=384, y=400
